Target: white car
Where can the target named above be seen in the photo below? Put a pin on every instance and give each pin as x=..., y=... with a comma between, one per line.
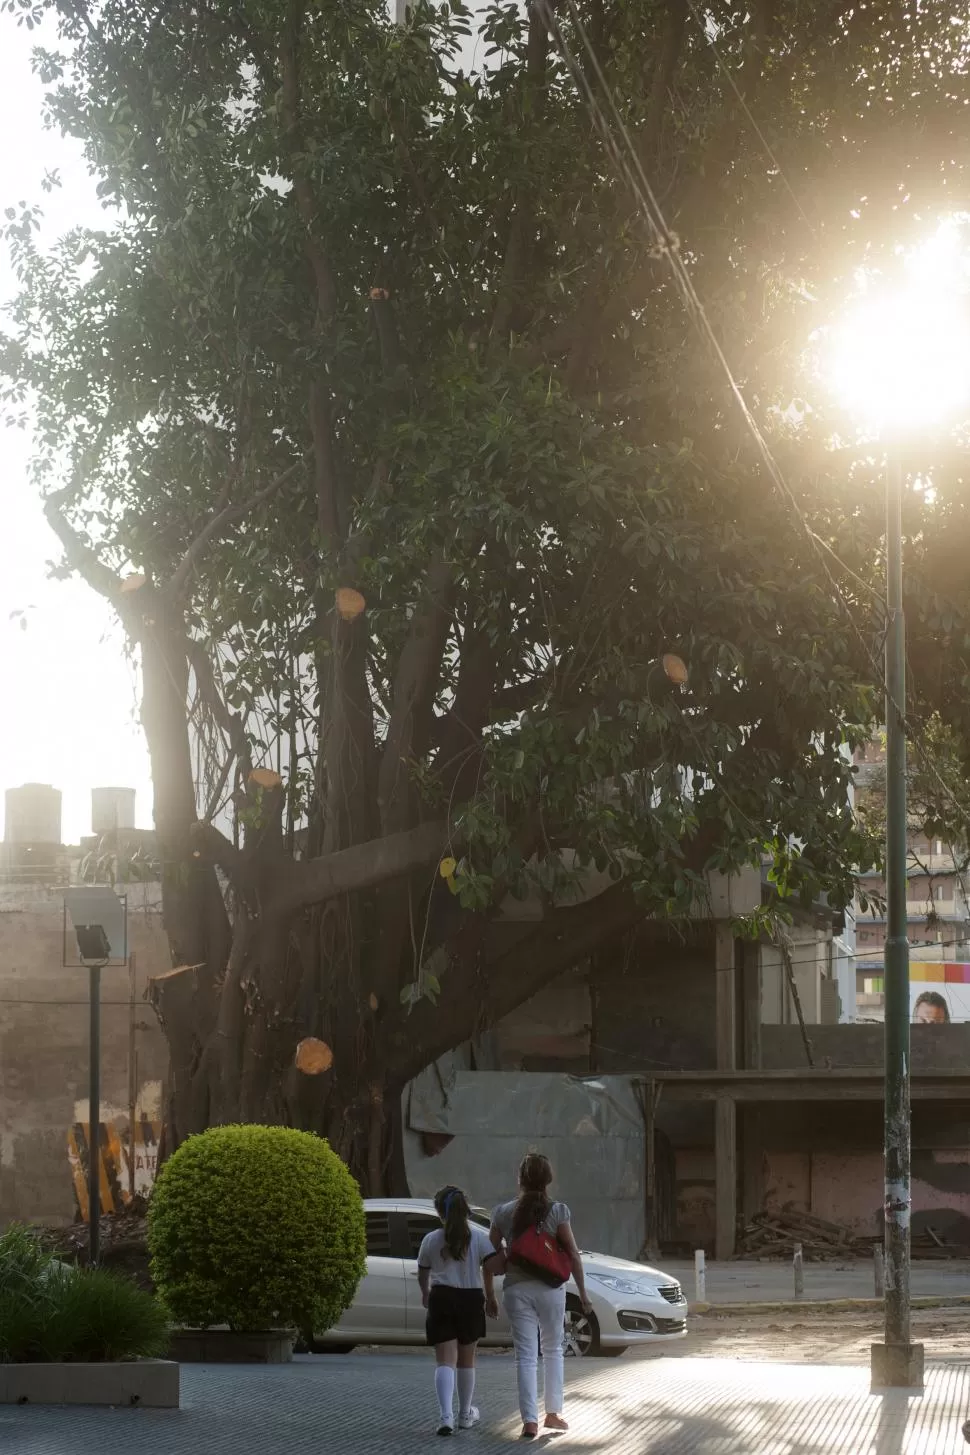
x=632, y=1304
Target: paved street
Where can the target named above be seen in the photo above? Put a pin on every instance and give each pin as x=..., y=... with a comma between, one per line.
x=369, y=1403
x=812, y=1337
x=748, y=1281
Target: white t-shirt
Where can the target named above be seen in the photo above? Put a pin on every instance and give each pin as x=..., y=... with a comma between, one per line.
x=467, y=1273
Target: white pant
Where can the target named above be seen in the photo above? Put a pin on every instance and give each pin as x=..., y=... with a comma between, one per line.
x=535, y=1310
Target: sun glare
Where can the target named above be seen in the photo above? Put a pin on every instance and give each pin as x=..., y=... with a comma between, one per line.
x=900, y=356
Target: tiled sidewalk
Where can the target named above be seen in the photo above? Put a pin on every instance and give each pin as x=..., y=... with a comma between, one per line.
x=365, y=1404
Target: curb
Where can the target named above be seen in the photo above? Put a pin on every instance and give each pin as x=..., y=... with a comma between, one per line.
x=824, y=1305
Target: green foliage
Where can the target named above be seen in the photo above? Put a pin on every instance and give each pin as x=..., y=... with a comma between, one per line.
x=256, y=1227
x=51, y=1312
x=594, y=516
x=24, y=1261
x=397, y=257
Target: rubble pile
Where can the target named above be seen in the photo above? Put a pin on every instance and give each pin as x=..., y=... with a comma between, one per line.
x=124, y=1242
x=774, y=1235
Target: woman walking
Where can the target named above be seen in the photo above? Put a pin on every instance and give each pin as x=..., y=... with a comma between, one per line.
x=457, y=1289
x=536, y=1236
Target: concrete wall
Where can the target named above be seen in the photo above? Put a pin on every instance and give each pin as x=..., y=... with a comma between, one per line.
x=44, y=1045
x=847, y=1188
x=811, y=956
x=654, y=1006
x=551, y=1032
x=828, y=1161
x=695, y=1197
x=933, y=1048
x=654, y=1009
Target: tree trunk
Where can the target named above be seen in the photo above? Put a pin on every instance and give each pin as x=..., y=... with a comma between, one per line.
x=246, y=1072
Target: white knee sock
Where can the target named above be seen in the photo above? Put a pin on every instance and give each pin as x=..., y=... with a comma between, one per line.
x=444, y=1386
x=466, y=1389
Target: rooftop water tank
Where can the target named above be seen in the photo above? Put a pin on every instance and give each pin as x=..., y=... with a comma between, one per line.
x=112, y=809
x=33, y=815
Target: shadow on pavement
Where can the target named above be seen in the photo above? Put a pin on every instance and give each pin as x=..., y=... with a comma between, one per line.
x=380, y=1404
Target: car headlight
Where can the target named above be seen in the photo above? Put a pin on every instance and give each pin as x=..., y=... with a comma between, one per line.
x=619, y=1285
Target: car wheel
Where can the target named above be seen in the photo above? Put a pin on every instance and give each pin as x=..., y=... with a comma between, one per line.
x=582, y=1333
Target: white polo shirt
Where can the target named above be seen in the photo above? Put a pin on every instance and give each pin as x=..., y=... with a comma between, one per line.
x=434, y=1256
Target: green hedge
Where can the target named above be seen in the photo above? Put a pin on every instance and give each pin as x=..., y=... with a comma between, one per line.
x=256, y=1227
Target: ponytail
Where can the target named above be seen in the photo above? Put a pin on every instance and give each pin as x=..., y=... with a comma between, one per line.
x=451, y=1205
x=532, y=1206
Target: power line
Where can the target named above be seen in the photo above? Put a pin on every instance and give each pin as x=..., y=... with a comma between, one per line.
x=667, y=246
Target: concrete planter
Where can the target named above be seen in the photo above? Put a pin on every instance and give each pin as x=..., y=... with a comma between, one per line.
x=152, y=1383
x=223, y=1346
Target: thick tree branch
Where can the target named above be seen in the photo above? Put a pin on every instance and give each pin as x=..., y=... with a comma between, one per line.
x=216, y=849
x=457, y=736
x=223, y=518
x=302, y=191
x=457, y=728
x=78, y=554
x=230, y=723
x=327, y=490
x=470, y=1001
x=477, y=995
x=345, y=871
x=385, y=322
x=408, y=733
x=412, y=701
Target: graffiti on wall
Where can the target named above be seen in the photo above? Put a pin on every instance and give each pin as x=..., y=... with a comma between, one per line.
x=126, y=1165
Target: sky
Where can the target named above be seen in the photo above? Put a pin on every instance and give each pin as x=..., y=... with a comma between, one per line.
x=70, y=701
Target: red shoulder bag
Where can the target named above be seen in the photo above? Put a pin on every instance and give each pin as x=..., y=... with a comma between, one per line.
x=541, y=1255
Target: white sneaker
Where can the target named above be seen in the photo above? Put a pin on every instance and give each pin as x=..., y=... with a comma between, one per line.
x=445, y=1429
x=467, y=1422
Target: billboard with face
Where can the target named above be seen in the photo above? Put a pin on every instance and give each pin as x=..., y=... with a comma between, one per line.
x=939, y=992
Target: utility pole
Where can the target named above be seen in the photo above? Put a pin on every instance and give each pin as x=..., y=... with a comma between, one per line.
x=897, y=1362
x=94, y=1117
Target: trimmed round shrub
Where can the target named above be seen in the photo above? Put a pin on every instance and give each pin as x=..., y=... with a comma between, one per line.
x=258, y=1228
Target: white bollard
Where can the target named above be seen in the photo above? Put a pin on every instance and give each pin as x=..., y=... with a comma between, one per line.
x=700, y=1276
x=799, y=1267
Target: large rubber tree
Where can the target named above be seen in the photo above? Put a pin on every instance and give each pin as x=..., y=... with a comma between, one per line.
x=375, y=415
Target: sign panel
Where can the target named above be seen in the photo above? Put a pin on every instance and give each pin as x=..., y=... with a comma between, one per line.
x=96, y=905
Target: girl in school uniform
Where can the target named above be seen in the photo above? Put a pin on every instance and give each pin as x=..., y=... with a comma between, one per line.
x=457, y=1289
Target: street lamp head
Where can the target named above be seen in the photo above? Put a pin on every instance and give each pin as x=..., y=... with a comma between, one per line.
x=99, y=919
x=900, y=357
x=93, y=944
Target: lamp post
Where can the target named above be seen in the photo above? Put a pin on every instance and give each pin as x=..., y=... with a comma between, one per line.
x=95, y=950
x=900, y=362
x=99, y=918
x=897, y=1362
